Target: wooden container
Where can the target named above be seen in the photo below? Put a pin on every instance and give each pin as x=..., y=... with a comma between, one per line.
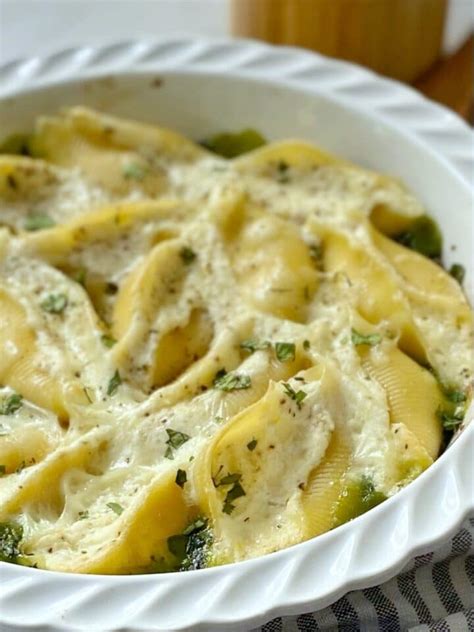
x=399, y=38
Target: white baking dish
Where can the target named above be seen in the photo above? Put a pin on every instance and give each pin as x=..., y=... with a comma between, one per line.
x=200, y=87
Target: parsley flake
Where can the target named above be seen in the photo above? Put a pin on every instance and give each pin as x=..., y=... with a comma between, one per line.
x=237, y=491
x=450, y=421
x=38, y=222
x=297, y=396
x=458, y=272
x=285, y=351
x=107, y=341
x=116, y=508
x=181, y=478
x=306, y=345
x=3, y=470
x=11, y=404
x=192, y=547
x=361, y=339
x=228, y=479
x=175, y=441
x=251, y=445
x=231, y=145
x=252, y=344
x=10, y=538
x=55, y=303
x=83, y=515
x=231, y=381
x=134, y=171
x=187, y=255
x=114, y=383
x=79, y=276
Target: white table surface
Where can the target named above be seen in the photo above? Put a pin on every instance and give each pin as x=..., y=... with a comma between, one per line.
x=37, y=27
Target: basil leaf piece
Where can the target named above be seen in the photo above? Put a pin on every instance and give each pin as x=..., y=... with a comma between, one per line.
x=175, y=441
x=458, y=272
x=187, y=255
x=285, y=351
x=181, y=478
x=231, y=381
x=11, y=535
x=55, y=303
x=251, y=445
x=134, y=171
x=116, y=508
x=11, y=404
x=38, y=222
x=114, y=383
x=361, y=339
x=108, y=341
x=297, y=396
x=16, y=145
x=424, y=237
x=237, y=491
x=231, y=145
x=252, y=344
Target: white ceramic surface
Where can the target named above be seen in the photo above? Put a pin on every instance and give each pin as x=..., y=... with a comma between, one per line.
x=207, y=86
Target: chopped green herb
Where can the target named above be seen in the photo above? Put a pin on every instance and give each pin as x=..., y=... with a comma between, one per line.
x=114, y=383
x=116, y=508
x=231, y=145
x=252, y=344
x=134, y=171
x=237, y=491
x=219, y=420
x=231, y=381
x=282, y=172
x=175, y=441
x=456, y=397
x=424, y=237
x=16, y=145
x=181, y=478
x=306, y=345
x=3, y=470
x=316, y=254
x=187, y=255
x=10, y=538
x=177, y=545
x=458, y=272
x=86, y=393
x=285, y=351
x=80, y=276
x=361, y=339
x=11, y=404
x=83, y=515
x=251, y=445
x=228, y=479
x=21, y=467
x=108, y=341
x=38, y=222
x=450, y=420
x=111, y=288
x=357, y=498
x=192, y=547
x=55, y=303
x=297, y=396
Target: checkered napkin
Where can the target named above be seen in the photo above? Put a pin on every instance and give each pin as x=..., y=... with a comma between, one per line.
x=433, y=593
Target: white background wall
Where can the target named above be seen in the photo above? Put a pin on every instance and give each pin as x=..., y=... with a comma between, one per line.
x=36, y=27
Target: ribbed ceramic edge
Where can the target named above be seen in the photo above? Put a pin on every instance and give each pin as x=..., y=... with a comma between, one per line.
x=309, y=576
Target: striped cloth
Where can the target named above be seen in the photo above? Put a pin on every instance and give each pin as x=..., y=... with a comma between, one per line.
x=433, y=593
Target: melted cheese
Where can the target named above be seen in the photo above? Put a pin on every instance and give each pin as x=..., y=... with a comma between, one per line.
x=182, y=334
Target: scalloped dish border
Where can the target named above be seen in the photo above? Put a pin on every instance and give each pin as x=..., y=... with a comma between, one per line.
x=246, y=594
